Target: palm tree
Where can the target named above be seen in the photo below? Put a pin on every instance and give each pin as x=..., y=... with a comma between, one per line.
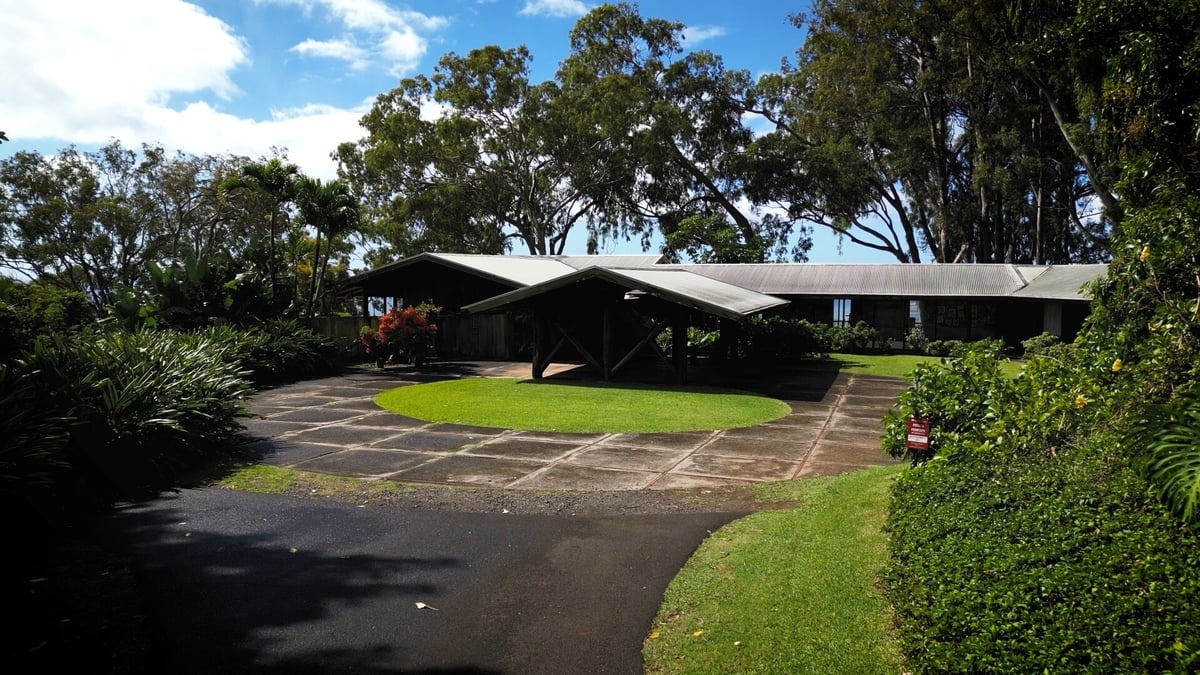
x=332, y=211
x=274, y=181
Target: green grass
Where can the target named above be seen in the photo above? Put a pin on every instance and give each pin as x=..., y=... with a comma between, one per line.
x=792, y=591
x=593, y=407
x=900, y=365
x=887, y=365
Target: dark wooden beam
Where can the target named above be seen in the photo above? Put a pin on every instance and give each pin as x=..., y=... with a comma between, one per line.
x=540, y=356
x=648, y=339
x=679, y=330
x=579, y=347
x=606, y=346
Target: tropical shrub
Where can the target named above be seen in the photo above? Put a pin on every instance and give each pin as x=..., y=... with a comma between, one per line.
x=135, y=407
x=406, y=334
x=276, y=351
x=1170, y=436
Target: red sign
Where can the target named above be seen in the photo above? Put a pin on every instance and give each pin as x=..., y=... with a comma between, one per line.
x=918, y=433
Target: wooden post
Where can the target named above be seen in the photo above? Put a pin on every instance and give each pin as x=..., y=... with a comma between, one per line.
x=606, y=344
x=679, y=340
x=540, y=357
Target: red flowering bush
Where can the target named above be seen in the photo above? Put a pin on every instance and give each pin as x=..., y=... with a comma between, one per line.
x=405, y=333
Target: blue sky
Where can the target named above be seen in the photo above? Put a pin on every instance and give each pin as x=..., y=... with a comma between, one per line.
x=246, y=76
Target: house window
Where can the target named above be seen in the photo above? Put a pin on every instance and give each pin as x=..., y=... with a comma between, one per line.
x=841, y=312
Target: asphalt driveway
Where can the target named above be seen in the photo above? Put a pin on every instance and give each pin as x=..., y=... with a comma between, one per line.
x=243, y=582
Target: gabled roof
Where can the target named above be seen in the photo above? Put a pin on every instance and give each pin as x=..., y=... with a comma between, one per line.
x=1064, y=282
x=510, y=270
x=849, y=280
x=675, y=285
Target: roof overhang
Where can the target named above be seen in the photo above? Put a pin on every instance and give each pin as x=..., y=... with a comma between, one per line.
x=676, y=286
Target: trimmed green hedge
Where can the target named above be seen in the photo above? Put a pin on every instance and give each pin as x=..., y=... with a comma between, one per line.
x=1065, y=563
x=1027, y=541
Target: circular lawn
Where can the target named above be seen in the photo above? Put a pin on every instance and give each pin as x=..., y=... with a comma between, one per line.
x=592, y=407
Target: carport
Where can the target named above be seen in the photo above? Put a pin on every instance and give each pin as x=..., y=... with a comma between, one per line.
x=609, y=316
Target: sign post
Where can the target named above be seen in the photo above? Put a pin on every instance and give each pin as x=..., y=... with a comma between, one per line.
x=918, y=434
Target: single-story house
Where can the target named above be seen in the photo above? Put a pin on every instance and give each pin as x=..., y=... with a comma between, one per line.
x=607, y=308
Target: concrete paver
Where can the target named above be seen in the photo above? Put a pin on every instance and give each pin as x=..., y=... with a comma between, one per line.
x=333, y=426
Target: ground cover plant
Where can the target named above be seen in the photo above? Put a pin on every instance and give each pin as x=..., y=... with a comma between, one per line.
x=580, y=407
x=786, y=591
x=1028, y=536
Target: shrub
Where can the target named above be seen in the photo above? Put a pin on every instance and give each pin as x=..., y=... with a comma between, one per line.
x=1042, y=562
x=778, y=337
x=1040, y=345
x=137, y=407
x=854, y=338
x=942, y=347
x=276, y=351
x=35, y=437
x=917, y=340
x=1025, y=540
x=1170, y=436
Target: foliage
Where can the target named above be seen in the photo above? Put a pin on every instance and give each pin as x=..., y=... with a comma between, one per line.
x=916, y=340
x=489, y=171
x=91, y=222
x=279, y=350
x=634, y=133
x=103, y=413
x=668, y=126
x=135, y=407
x=32, y=455
x=779, y=337
x=407, y=334
x=1032, y=561
x=30, y=310
x=758, y=596
x=272, y=185
x=908, y=129
x=333, y=212
x=975, y=408
x=1170, y=437
x=591, y=407
x=1040, y=345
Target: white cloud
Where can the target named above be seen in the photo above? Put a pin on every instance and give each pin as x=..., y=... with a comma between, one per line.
x=146, y=72
x=112, y=53
x=395, y=33
x=558, y=8
x=343, y=50
x=694, y=35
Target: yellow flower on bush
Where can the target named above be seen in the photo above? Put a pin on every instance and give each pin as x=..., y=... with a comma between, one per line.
x=1080, y=401
x=1117, y=365
x=1145, y=253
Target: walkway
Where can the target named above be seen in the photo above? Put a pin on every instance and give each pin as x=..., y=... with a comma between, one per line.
x=333, y=426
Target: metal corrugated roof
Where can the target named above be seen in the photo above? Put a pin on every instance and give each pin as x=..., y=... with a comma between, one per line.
x=514, y=270
x=840, y=280
x=612, y=260
x=675, y=285
x=848, y=280
x=523, y=270
x=1063, y=282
